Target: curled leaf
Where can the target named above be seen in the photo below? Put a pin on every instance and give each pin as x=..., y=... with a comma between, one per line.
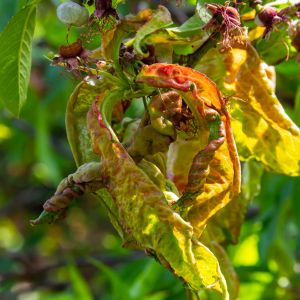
x=160, y=19
x=145, y=216
x=262, y=128
x=222, y=183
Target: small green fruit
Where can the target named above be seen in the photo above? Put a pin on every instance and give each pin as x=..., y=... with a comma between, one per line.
x=72, y=13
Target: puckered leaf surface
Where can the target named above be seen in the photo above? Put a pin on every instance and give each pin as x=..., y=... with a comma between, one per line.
x=262, y=128
x=223, y=180
x=160, y=19
x=135, y=202
x=145, y=217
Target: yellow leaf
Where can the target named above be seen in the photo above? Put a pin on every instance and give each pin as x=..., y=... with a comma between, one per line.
x=223, y=180
x=262, y=128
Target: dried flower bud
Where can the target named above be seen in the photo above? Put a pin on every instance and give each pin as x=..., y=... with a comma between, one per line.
x=269, y=16
x=266, y=17
x=72, y=50
x=225, y=19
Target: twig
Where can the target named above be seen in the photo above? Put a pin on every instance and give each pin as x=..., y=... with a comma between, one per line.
x=191, y=295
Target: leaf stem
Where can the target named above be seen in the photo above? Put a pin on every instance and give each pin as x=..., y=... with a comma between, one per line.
x=191, y=295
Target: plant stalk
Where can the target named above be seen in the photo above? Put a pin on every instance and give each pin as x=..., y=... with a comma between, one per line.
x=191, y=295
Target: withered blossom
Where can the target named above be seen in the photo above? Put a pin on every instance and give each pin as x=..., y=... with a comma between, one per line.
x=226, y=20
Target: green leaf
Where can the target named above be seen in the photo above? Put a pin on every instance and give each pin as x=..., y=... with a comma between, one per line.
x=145, y=281
x=77, y=132
x=202, y=12
x=185, y=39
x=120, y=290
x=15, y=58
x=160, y=19
x=80, y=287
x=277, y=47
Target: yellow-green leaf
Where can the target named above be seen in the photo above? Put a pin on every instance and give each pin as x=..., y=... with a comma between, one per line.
x=223, y=180
x=146, y=219
x=262, y=128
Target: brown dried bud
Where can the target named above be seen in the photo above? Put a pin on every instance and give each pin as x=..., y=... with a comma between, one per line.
x=226, y=20
x=266, y=16
x=72, y=50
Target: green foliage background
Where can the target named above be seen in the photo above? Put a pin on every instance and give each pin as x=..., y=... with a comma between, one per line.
x=81, y=257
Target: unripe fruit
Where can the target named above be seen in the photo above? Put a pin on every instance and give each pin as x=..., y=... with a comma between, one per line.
x=72, y=13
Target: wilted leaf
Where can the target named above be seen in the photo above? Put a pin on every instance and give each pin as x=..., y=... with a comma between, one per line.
x=226, y=224
x=111, y=41
x=227, y=269
x=223, y=180
x=160, y=19
x=77, y=132
x=262, y=128
x=15, y=58
x=146, y=219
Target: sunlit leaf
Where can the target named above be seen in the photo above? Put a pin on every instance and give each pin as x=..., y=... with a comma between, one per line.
x=147, y=220
x=160, y=19
x=225, y=264
x=277, y=47
x=111, y=42
x=77, y=132
x=15, y=58
x=262, y=128
x=225, y=225
x=184, y=39
x=223, y=180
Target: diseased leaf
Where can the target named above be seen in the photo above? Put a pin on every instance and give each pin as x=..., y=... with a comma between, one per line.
x=112, y=40
x=262, y=129
x=226, y=224
x=146, y=218
x=223, y=180
x=160, y=19
x=227, y=269
x=15, y=58
x=80, y=101
x=80, y=142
